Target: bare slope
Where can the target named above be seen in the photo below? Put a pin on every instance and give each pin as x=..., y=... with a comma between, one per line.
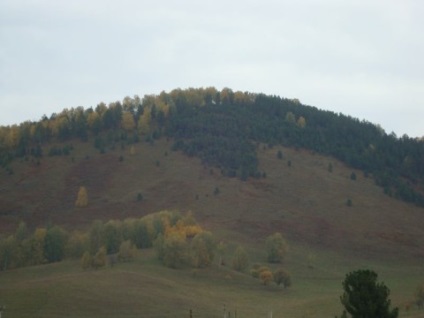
x=304, y=201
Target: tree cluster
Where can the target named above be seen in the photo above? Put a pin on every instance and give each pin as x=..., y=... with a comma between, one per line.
x=280, y=276
x=114, y=237
x=44, y=245
x=185, y=244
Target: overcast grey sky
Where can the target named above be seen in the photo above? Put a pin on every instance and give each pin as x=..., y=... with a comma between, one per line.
x=363, y=58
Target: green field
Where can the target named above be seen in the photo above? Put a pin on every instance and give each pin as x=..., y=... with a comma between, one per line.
x=144, y=288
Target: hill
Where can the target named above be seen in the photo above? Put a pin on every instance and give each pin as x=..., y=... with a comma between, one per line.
x=300, y=167
x=303, y=200
x=343, y=193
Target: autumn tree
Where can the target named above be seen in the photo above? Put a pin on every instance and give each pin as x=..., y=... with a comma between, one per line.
x=282, y=277
x=37, y=243
x=99, y=260
x=127, y=251
x=77, y=244
x=203, y=249
x=276, y=248
x=364, y=296
x=127, y=122
x=266, y=277
x=227, y=96
x=82, y=198
x=86, y=260
x=301, y=122
x=94, y=122
x=240, y=259
x=21, y=232
x=144, y=122
x=175, y=251
x=290, y=117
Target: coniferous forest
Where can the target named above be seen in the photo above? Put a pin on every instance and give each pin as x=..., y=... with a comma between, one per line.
x=224, y=129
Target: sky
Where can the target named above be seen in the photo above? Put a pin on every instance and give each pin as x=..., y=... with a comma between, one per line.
x=363, y=58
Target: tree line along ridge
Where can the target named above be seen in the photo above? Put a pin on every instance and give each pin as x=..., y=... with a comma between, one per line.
x=224, y=128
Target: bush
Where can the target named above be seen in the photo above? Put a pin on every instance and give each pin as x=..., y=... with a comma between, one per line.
x=266, y=277
x=276, y=247
x=281, y=276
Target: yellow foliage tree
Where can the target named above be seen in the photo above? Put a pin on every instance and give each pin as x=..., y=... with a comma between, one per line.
x=82, y=198
x=86, y=260
x=127, y=121
x=144, y=122
x=203, y=249
x=13, y=136
x=127, y=251
x=226, y=95
x=37, y=246
x=290, y=117
x=93, y=117
x=99, y=260
x=266, y=277
x=301, y=122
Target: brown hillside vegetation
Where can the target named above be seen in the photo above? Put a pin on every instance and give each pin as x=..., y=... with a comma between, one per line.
x=304, y=200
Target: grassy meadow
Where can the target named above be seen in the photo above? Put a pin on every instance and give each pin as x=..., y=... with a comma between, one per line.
x=144, y=288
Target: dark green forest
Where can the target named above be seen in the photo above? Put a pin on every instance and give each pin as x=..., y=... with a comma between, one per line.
x=224, y=129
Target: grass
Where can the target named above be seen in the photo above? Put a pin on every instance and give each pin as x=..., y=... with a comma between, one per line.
x=144, y=288
x=304, y=201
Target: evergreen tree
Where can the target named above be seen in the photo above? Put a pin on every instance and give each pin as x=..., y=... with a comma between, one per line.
x=364, y=297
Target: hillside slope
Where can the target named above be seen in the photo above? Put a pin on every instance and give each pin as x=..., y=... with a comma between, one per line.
x=303, y=200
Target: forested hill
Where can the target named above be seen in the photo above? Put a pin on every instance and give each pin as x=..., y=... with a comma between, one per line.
x=224, y=128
